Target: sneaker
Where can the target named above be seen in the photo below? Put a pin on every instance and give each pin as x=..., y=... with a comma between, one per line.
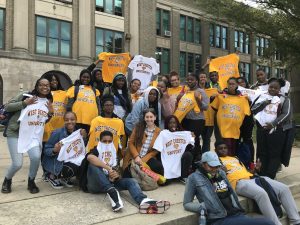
x=55, y=183
x=115, y=199
x=45, y=177
x=67, y=182
x=182, y=180
x=150, y=206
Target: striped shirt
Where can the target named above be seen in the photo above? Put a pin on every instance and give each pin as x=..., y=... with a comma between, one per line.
x=146, y=145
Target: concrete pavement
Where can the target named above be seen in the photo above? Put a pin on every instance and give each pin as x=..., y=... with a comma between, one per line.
x=71, y=206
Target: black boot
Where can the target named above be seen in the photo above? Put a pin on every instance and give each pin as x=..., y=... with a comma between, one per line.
x=33, y=189
x=6, y=186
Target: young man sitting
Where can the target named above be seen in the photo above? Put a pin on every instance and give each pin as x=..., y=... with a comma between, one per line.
x=244, y=183
x=215, y=195
x=102, y=177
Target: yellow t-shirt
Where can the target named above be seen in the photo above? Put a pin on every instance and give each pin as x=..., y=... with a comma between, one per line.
x=231, y=113
x=174, y=92
x=99, y=124
x=185, y=105
x=85, y=106
x=209, y=114
x=57, y=120
x=235, y=170
x=227, y=66
x=113, y=64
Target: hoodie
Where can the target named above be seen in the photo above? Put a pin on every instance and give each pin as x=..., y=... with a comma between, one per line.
x=136, y=114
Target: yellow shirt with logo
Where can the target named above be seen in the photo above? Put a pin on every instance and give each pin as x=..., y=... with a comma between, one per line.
x=185, y=105
x=57, y=120
x=235, y=170
x=174, y=92
x=99, y=124
x=209, y=114
x=113, y=64
x=230, y=114
x=85, y=105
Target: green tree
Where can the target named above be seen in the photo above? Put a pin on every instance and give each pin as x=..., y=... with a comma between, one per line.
x=277, y=19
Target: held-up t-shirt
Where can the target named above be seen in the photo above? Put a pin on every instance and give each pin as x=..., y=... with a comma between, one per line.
x=85, y=106
x=73, y=149
x=143, y=68
x=231, y=112
x=235, y=170
x=99, y=124
x=185, y=105
x=173, y=92
x=172, y=146
x=113, y=64
x=32, y=123
x=209, y=114
x=57, y=120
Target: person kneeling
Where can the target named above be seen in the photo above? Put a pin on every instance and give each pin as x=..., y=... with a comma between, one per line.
x=64, y=153
x=102, y=176
x=218, y=200
x=244, y=183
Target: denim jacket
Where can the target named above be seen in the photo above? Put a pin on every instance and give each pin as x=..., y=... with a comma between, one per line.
x=199, y=185
x=50, y=162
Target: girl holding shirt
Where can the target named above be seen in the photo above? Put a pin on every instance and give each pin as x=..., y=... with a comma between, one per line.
x=83, y=99
x=141, y=144
x=25, y=131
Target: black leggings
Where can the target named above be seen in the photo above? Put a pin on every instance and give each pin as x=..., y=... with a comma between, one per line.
x=70, y=170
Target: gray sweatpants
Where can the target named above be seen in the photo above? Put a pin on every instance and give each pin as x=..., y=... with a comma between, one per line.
x=250, y=189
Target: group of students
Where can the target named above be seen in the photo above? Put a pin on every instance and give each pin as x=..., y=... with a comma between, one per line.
x=110, y=126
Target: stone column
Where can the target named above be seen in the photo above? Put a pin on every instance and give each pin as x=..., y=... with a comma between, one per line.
x=85, y=12
x=205, y=41
x=20, y=28
x=175, y=40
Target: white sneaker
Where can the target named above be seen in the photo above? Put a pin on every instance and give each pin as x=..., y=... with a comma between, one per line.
x=115, y=200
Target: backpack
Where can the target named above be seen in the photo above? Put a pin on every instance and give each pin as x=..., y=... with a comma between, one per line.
x=260, y=181
x=4, y=118
x=244, y=153
x=146, y=182
x=76, y=90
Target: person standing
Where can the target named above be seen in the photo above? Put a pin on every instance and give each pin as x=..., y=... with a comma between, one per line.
x=262, y=81
x=84, y=100
x=134, y=89
x=25, y=131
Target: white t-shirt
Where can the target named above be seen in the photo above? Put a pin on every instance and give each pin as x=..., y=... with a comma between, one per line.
x=73, y=149
x=251, y=94
x=32, y=122
x=107, y=154
x=172, y=146
x=264, y=87
x=286, y=88
x=143, y=68
x=269, y=113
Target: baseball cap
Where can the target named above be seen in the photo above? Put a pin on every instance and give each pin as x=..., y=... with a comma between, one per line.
x=211, y=158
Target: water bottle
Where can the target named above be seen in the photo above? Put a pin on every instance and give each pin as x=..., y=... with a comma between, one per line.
x=202, y=218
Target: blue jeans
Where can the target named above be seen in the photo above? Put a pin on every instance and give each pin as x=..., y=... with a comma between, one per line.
x=98, y=182
x=243, y=220
x=17, y=159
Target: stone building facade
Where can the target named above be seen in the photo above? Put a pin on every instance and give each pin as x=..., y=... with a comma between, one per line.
x=37, y=36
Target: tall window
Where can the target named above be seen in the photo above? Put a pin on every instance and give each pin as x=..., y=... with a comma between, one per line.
x=190, y=29
x=218, y=36
x=163, y=56
x=261, y=44
x=245, y=69
x=189, y=63
x=162, y=22
x=279, y=72
x=266, y=69
x=53, y=37
x=108, y=41
x=2, y=16
x=114, y=7
x=241, y=41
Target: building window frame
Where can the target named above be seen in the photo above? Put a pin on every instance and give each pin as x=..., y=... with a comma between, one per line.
x=59, y=38
x=195, y=30
x=218, y=36
x=103, y=7
x=189, y=66
x=245, y=71
x=104, y=44
x=242, y=41
x=261, y=44
x=164, y=62
x=2, y=29
x=161, y=26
